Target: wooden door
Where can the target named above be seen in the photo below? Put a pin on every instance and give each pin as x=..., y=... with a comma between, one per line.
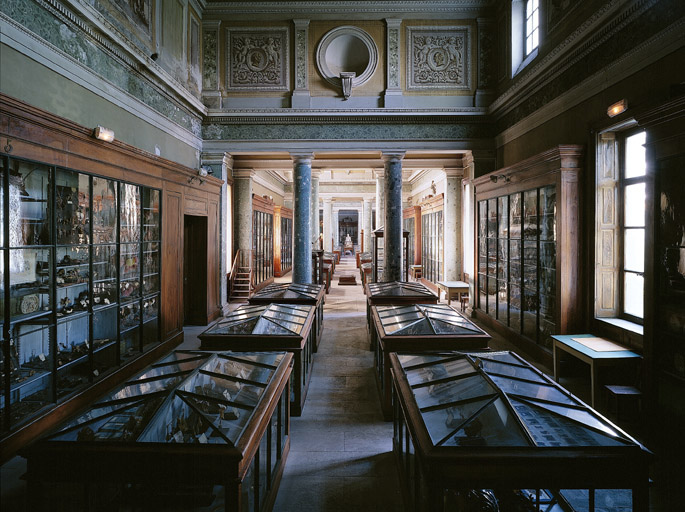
x=194, y=270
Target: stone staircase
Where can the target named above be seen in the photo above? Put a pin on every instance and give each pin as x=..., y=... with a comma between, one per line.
x=240, y=280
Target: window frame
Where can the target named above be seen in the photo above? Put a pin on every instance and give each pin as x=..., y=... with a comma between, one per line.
x=624, y=182
x=534, y=6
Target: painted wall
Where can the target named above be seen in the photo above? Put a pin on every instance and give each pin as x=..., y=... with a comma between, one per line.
x=39, y=86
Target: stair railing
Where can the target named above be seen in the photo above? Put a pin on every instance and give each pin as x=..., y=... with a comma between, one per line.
x=243, y=259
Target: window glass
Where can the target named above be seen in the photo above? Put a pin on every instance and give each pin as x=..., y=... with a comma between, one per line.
x=635, y=155
x=532, y=25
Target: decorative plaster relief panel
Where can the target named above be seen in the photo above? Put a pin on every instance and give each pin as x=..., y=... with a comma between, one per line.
x=438, y=57
x=301, y=53
x=258, y=59
x=393, y=57
x=209, y=62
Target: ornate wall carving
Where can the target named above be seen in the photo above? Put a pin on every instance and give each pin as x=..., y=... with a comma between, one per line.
x=301, y=58
x=258, y=59
x=209, y=62
x=393, y=57
x=438, y=57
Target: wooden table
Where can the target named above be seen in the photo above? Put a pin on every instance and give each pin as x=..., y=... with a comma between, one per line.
x=595, y=358
x=453, y=289
x=415, y=271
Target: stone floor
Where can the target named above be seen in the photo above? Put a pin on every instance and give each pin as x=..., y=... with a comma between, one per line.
x=341, y=449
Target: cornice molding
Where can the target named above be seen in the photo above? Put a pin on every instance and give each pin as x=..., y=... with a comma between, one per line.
x=356, y=9
x=597, y=29
x=620, y=69
x=302, y=118
x=240, y=115
x=26, y=42
x=109, y=37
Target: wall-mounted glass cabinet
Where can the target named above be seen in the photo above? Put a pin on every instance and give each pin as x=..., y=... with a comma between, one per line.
x=262, y=240
x=283, y=239
x=432, y=251
x=72, y=305
x=527, y=231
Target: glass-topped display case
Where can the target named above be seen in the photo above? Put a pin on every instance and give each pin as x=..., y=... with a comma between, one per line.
x=193, y=422
x=490, y=420
x=417, y=328
x=270, y=327
x=295, y=293
x=394, y=292
x=71, y=302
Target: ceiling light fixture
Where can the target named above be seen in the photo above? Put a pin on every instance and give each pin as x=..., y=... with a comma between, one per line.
x=617, y=108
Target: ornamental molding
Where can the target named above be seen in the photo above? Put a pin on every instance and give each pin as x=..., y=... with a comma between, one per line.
x=308, y=119
x=109, y=37
x=27, y=43
x=258, y=59
x=346, y=33
x=597, y=29
x=359, y=9
x=438, y=57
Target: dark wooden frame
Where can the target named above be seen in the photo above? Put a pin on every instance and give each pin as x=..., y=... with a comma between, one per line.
x=560, y=166
x=499, y=467
x=261, y=298
x=384, y=345
x=97, y=462
x=302, y=347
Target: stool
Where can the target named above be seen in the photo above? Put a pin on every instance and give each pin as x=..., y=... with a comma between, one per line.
x=619, y=393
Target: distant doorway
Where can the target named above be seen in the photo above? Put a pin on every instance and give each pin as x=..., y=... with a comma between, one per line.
x=348, y=224
x=194, y=270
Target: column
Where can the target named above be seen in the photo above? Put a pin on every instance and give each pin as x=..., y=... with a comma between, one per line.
x=302, y=247
x=392, y=234
x=393, y=92
x=314, y=209
x=452, y=224
x=242, y=194
x=222, y=167
x=366, y=210
x=335, y=231
x=327, y=224
x=301, y=97
x=380, y=198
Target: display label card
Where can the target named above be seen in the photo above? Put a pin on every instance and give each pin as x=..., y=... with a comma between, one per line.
x=96, y=373
x=202, y=439
x=41, y=357
x=178, y=437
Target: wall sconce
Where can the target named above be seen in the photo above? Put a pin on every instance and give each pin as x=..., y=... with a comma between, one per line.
x=496, y=177
x=202, y=173
x=617, y=108
x=102, y=133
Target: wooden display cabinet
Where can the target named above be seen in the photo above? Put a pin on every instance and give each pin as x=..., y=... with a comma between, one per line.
x=490, y=420
x=527, y=228
x=262, y=241
x=283, y=237
x=377, y=239
x=412, y=223
x=293, y=293
x=272, y=327
x=396, y=292
x=432, y=236
x=191, y=421
x=417, y=328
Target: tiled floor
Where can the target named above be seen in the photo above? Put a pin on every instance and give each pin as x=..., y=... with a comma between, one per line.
x=341, y=449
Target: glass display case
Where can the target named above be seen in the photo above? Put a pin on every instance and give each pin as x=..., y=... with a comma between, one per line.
x=493, y=411
x=417, y=328
x=262, y=240
x=270, y=327
x=411, y=222
x=378, y=254
x=317, y=266
x=72, y=293
x=527, y=235
x=283, y=235
x=432, y=236
x=194, y=422
x=395, y=292
x=293, y=293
